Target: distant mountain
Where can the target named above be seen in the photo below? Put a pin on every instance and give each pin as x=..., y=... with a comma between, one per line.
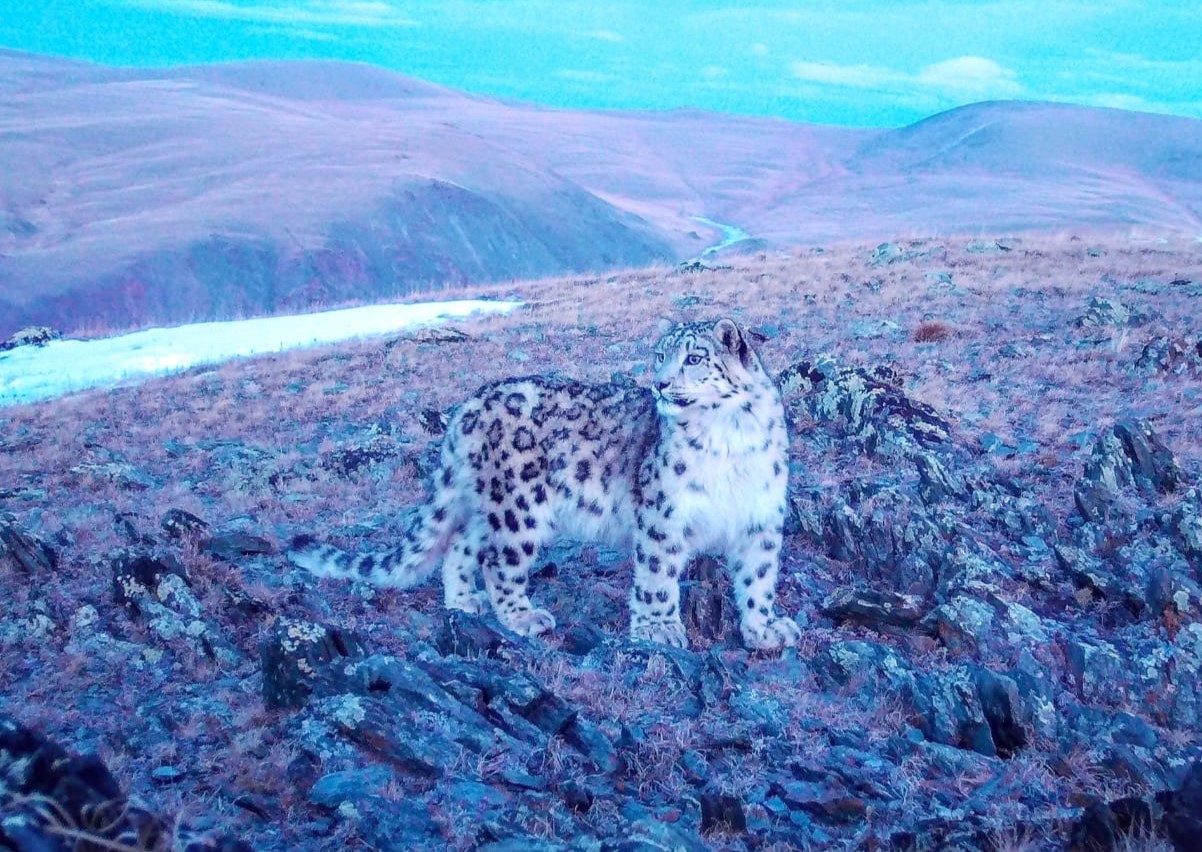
x=139, y=196
x=1007, y=166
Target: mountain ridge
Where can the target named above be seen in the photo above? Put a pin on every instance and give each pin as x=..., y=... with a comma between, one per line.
x=130, y=196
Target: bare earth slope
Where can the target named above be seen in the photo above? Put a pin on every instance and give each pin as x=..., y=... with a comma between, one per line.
x=132, y=196
x=994, y=552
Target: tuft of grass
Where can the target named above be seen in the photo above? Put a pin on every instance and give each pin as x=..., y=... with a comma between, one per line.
x=931, y=331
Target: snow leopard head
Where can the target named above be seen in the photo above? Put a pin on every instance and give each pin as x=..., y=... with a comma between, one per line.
x=704, y=364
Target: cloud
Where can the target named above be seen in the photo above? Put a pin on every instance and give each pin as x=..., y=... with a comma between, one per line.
x=963, y=76
x=354, y=13
x=297, y=32
x=854, y=76
x=970, y=75
x=606, y=35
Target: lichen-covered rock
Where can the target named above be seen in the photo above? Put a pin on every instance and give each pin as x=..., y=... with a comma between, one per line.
x=232, y=546
x=1097, y=580
x=876, y=608
x=1183, y=811
x=1179, y=697
x=464, y=634
x=1152, y=463
x=868, y=407
x=1103, y=312
x=890, y=536
x=887, y=253
x=33, y=335
x=653, y=835
x=952, y=711
x=963, y=624
x=178, y=524
x=1110, y=826
x=439, y=334
x=593, y=744
x=1186, y=527
x=989, y=246
x=1004, y=711
x=295, y=654
x=1141, y=821
x=1128, y=454
x=839, y=663
x=1038, y=690
x=1169, y=355
x=936, y=482
x=24, y=552
x=973, y=708
x=350, y=460
x=398, y=712
x=333, y=789
x=137, y=574
x=1098, y=671
x=155, y=589
x=119, y=473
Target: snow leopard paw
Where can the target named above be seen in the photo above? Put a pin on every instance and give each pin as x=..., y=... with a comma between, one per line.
x=476, y=602
x=770, y=634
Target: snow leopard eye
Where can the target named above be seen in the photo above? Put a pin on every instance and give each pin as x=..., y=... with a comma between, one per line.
x=659, y=357
x=693, y=360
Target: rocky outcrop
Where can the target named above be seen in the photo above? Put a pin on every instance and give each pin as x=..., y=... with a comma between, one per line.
x=155, y=589
x=866, y=406
x=1128, y=454
x=55, y=801
x=1103, y=312
x=1174, y=816
x=34, y=335
x=20, y=551
x=1169, y=355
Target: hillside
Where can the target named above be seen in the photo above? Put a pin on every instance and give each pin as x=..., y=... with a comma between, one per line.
x=131, y=196
x=1010, y=166
x=184, y=196
x=994, y=552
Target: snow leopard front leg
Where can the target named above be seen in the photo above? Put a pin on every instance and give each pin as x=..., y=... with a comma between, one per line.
x=660, y=558
x=753, y=565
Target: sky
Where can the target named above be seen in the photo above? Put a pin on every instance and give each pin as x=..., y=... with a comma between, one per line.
x=847, y=62
x=34, y=373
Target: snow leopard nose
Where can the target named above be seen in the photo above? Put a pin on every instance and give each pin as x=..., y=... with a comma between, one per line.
x=661, y=386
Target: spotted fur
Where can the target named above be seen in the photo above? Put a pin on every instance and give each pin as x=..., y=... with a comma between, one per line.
x=695, y=464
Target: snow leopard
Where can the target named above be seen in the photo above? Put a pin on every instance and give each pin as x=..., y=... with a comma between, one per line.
x=694, y=464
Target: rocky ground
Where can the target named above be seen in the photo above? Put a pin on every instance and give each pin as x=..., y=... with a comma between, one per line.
x=994, y=550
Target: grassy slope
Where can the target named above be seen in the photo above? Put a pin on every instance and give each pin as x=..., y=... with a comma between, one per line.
x=246, y=446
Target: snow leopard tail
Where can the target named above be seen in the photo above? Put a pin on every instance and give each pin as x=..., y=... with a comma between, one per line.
x=425, y=541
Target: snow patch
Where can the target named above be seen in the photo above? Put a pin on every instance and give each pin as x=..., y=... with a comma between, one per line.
x=33, y=373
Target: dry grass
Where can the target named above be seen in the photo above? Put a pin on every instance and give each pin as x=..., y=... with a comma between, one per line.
x=932, y=331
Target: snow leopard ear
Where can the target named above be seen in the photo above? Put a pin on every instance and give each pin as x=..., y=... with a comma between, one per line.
x=733, y=341
x=664, y=325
